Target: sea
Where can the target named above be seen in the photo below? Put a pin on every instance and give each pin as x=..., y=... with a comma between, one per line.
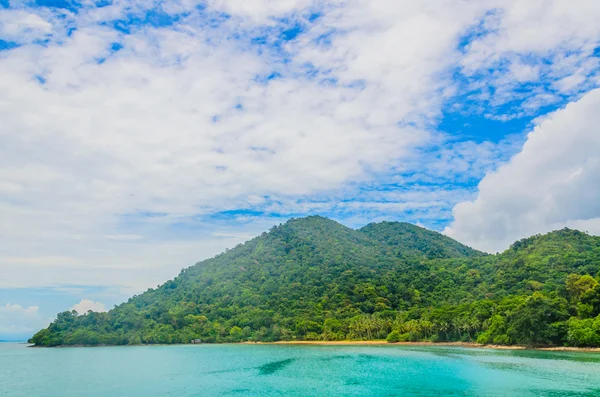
x=294, y=370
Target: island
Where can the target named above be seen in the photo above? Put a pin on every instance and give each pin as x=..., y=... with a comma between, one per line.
x=313, y=279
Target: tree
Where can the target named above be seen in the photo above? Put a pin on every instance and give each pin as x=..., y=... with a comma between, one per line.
x=577, y=285
x=537, y=321
x=584, y=332
x=395, y=337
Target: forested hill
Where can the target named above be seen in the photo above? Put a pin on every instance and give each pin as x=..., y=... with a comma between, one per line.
x=314, y=279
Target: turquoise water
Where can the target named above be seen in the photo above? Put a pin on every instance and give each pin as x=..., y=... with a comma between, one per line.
x=277, y=370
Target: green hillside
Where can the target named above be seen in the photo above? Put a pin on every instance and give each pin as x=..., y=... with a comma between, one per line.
x=407, y=239
x=314, y=279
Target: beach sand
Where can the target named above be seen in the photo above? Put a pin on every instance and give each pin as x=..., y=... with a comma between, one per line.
x=451, y=344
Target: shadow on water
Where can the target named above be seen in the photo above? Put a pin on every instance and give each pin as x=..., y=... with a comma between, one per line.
x=353, y=382
x=272, y=367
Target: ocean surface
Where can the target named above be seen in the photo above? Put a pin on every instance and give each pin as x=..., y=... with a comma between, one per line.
x=279, y=370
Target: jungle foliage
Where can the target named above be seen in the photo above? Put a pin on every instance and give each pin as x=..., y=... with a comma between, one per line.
x=314, y=279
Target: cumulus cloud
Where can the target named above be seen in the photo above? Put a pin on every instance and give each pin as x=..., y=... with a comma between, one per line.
x=21, y=26
x=19, y=321
x=86, y=305
x=553, y=182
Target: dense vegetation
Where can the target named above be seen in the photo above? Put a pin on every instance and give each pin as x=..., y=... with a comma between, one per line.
x=314, y=279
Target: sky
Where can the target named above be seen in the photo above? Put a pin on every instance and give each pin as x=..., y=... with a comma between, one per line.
x=138, y=137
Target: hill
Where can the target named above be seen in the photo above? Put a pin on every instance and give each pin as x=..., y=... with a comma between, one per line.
x=315, y=279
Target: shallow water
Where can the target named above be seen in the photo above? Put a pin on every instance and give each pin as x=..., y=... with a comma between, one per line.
x=280, y=370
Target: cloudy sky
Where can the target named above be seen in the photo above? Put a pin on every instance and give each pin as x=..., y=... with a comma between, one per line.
x=138, y=137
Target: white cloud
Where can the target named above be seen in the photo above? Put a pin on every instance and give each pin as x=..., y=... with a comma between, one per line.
x=9, y=308
x=156, y=126
x=522, y=27
x=548, y=43
x=521, y=72
x=259, y=11
x=18, y=321
x=20, y=26
x=552, y=183
x=86, y=305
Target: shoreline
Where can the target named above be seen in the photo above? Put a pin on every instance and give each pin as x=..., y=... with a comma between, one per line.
x=383, y=342
x=471, y=345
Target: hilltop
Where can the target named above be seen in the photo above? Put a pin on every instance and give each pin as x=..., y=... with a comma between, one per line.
x=315, y=279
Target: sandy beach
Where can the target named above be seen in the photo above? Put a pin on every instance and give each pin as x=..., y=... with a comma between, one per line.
x=451, y=344
x=382, y=342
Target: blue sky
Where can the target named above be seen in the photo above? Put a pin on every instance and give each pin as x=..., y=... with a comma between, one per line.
x=139, y=137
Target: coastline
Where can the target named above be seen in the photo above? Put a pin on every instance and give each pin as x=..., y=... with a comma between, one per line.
x=383, y=342
x=471, y=345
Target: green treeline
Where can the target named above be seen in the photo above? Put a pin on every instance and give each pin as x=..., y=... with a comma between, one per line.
x=314, y=279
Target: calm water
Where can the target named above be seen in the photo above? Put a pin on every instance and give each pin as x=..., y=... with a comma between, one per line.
x=259, y=370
